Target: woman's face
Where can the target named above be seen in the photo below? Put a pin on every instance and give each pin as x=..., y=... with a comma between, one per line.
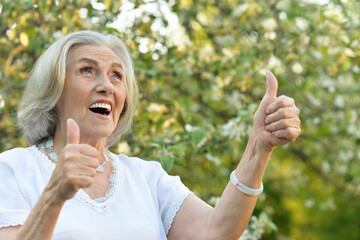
x=94, y=92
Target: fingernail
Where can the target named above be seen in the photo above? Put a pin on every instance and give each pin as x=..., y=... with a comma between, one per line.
x=267, y=127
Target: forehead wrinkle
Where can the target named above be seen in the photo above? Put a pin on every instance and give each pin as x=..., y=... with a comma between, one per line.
x=89, y=60
x=102, y=57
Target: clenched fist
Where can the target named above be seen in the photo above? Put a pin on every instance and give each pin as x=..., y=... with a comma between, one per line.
x=76, y=166
x=276, y=121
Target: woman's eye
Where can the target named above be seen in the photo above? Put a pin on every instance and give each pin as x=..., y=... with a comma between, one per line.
x=86, y=70
x=118, y=75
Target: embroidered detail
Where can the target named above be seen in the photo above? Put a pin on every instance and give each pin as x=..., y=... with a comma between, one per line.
x=13, y=219
x=174, y=207
x=98, y=204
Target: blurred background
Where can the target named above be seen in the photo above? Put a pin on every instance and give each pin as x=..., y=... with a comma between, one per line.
x=201, y=69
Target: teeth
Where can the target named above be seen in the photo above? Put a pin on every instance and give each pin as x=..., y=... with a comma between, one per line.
x=101, y=105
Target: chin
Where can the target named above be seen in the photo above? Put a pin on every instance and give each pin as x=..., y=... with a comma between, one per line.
x=104, y=132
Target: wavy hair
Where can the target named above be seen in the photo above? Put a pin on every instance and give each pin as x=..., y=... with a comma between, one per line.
x=37, y=115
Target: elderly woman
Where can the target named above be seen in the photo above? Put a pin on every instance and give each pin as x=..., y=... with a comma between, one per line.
x=79, y=100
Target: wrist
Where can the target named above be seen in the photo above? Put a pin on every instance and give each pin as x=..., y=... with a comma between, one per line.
x=256, y=154
x=52, y=197
x=256, y=145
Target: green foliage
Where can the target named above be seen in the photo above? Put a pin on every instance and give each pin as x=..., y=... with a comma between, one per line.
x=257, y=227
x=200, y=84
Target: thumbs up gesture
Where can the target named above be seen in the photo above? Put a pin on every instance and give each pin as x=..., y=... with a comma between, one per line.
x=276, y=121
x=76, y=166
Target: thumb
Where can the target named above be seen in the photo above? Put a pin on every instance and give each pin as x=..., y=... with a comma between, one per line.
x=73, y=132
x=271, y=85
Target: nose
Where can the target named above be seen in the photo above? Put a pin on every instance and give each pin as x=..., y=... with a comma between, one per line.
x=104, y=86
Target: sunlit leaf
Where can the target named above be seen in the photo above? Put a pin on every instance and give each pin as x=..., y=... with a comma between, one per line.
x=24, y=39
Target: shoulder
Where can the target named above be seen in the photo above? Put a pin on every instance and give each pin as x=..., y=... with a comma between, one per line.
x=14, y=152
x=17, y=158
x=19, y=188
x=138, y=169
x=140, y=164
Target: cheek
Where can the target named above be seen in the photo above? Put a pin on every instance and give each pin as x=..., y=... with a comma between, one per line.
x=121, y=96
x=72, y=99
x=121, y=99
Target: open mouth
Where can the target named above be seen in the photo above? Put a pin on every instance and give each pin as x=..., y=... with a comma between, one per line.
x=101, y=108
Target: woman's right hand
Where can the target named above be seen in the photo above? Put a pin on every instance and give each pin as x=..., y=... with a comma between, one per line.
x=76, y=166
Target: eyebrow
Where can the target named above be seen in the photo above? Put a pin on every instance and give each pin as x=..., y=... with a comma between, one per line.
x=115, y=64
x=92, y=61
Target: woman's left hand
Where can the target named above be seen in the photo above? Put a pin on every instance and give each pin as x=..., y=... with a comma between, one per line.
x=276, y=121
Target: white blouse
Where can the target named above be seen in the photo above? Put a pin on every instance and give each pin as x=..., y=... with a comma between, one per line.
x=141, y=204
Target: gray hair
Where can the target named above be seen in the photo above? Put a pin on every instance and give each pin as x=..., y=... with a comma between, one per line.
x=36, y=115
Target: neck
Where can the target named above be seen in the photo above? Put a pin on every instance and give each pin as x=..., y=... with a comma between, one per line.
x=60, y=141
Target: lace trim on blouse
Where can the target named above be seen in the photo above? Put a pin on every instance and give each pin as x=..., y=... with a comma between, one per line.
x=174, y=207
x=99, y=204
x=13, y=219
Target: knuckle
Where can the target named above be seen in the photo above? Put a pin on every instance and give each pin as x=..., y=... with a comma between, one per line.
x=271, y=117
x=286, y=101
x=90, y=149
x=290, y=132
x=95, y=162
x=295, y=137
x=292, y=101
x=293, y=133
x=92, y=172
x=289, y=102
x=286, y=123
x=69, y=154
x=69, y=168
x=88, y=182
x=70, y=157
x=66, y=154
x=67, y=147
x=72, y=179
x=282, y=111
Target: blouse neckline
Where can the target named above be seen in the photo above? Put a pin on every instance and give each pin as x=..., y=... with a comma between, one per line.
x=113, y=191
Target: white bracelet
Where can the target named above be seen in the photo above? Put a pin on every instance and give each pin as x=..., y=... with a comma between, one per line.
x=243, y=188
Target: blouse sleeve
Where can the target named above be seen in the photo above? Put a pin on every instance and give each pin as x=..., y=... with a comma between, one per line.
x=168, y=191
x=14, y=209
x=171, y=194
